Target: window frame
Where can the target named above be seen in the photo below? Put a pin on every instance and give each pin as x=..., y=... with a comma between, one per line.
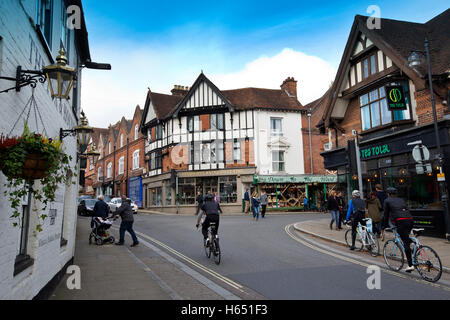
x=273, y=131
x=136, y=158
x=121, y=166
x=278, y=161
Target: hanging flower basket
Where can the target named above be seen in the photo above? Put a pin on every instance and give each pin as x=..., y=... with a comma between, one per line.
x=30, y=157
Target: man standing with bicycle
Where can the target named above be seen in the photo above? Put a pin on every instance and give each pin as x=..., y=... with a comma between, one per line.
x=396, y=210
x=212, y=211
x=356, y=212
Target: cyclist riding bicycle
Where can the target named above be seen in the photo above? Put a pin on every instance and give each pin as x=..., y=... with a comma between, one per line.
x=356, y=212
x=211, y=209
x=396, y=211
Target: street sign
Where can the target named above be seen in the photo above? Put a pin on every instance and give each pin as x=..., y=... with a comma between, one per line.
x=421, y=153
x=441, y=177
x=396, y=98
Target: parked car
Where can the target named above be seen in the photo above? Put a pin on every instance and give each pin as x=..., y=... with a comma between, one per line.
x=84, y=197
x=117, y=202
x=86, y=207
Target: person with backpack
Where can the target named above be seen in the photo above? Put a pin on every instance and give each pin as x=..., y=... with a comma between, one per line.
x=356, y=213
x=396, y=211
x=212, y=211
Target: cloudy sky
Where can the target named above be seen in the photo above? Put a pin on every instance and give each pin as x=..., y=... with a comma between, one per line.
x=159, y=44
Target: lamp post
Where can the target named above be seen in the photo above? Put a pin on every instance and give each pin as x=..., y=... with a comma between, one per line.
x=413, y=61
x=310, y=146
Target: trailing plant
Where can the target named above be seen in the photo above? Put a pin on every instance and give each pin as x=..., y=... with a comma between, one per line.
x=15, y=151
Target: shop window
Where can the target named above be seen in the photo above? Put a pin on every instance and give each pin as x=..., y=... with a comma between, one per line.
x=186, y=190
x=278, y=161
x=156, y=196
x=168, y=193
x=207, y=185
x=228, y=189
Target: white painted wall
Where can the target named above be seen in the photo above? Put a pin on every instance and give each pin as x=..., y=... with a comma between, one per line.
x=292, y=137
x=21, y=46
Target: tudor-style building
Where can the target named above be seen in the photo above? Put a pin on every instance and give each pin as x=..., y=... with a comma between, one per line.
x=208, y=140
x=373, y=62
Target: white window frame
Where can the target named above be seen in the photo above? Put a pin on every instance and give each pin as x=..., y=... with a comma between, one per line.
x=136, y=132
x=136, y=155
x=109, y=170
x=99, y=173
x=121, y=165
x=273, y=132
x=121, y=140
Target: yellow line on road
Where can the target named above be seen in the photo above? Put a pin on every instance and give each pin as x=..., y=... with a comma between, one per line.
x=230, y=282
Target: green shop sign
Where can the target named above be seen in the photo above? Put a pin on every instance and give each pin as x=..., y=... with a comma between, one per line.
x=396, y=98
x=295, y=179
x=375, y=151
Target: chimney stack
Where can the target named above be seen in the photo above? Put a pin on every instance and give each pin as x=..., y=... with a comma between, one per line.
x=289, y=86
x=179, y=90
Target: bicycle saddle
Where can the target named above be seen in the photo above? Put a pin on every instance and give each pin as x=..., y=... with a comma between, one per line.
x=417, y=232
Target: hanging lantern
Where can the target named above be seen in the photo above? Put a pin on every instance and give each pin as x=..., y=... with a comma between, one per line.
x=60, y=77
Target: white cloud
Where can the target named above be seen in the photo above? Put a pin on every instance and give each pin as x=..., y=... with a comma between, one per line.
x=313, y=74
x=109, y=95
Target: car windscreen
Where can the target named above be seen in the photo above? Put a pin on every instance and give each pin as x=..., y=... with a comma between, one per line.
x=90, y=202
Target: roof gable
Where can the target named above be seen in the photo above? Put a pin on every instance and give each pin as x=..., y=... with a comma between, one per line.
x=203, y=94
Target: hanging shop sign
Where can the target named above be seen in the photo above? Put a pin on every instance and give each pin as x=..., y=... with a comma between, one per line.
x=396, y=98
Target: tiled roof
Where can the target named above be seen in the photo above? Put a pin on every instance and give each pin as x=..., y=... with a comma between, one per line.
x=164, y=104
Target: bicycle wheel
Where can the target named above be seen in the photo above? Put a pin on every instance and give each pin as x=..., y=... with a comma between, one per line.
x=348, y=237
x=216, y=252
x=207, y=250
x=393, y=255
x=429, y=264
x=373, y=244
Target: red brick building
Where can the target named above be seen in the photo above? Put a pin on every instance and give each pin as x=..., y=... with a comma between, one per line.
x=121, y=163
x=386, y=102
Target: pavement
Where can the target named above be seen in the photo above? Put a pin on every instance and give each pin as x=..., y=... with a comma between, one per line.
x=106, y=270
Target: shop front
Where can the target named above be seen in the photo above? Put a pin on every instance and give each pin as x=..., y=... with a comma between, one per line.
x=177, y=193
x=289, y=191
x=135, y=190
x=405, y=160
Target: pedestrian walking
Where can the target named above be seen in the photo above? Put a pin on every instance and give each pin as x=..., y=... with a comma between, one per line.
x=247, y=201
x=101, y=209
x=126, y=213
x=374, y=212
x=340, y=201
x=255, y=206
x=305, y=204
x=334, y=210
x=264, y=203
x=216, y=197
x=200, y=201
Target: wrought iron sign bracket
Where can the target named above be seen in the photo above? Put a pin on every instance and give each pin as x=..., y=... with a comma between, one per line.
x=24, y=78
x=65, y=133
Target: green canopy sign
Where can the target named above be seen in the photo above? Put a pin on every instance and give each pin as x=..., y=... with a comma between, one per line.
x=375, y=151
x=395, y=98
x=295, y=179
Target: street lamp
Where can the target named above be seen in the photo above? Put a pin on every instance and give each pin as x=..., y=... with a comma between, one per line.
x=310, y=146
x=60, y=77
x=415, y=60
x=82, y=132
x=93, y=155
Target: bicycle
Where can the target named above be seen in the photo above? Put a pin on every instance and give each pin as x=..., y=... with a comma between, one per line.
x=365, y=237
x=212, y=246
x=425, y=260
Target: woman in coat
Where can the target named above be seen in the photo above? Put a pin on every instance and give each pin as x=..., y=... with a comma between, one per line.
x=255, y=206
x=333, y=206
x=374, y=212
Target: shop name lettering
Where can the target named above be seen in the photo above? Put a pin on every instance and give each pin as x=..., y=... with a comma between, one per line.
x=375, y=151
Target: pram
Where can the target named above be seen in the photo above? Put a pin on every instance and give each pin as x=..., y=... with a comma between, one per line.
x=99, y=233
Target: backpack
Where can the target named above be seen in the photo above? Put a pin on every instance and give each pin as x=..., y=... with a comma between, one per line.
x=359, y=208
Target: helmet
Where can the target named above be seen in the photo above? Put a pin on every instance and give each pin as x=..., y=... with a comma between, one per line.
x=356, y=193
x=391, y=190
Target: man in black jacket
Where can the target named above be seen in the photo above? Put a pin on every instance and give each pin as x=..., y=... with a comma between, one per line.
x=212, y=211
x=126, y=213
x=396, y=210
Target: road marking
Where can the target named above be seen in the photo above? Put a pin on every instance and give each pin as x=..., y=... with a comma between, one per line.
x=338, y=256
x=199, y=277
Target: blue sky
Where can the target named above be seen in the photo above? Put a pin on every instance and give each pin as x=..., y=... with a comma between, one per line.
x=158, y=44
